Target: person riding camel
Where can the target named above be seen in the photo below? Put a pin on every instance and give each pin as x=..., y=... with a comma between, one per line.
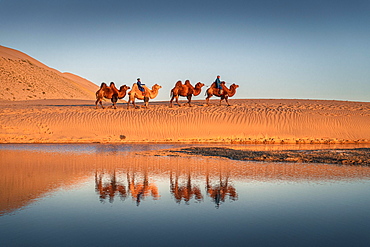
x=140, y=85
x=218, y=85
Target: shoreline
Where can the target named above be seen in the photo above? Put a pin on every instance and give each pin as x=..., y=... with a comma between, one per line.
x=346, y=156
x=236, y=142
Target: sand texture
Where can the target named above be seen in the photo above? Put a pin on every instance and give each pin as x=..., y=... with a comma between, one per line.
x=24, y=78
x=39, y=104
x=246, y=121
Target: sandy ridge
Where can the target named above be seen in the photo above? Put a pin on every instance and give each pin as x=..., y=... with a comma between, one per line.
x=24, y=78
x=246, y=121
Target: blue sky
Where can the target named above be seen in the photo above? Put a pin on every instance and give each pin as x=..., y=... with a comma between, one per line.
x=273, y=49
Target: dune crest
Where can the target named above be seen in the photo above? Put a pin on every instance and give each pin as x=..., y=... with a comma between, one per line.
x=24, y=78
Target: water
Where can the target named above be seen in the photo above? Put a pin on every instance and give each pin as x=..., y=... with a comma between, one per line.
x=105, y=195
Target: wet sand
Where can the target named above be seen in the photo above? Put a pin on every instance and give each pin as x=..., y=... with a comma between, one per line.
x=351, y=156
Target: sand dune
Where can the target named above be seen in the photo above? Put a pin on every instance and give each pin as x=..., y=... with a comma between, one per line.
x=42, y=105
x=246, y=121
x=24, y=78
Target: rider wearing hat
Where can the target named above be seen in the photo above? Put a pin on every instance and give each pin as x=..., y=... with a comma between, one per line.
x=140, y=85
x=218, y=85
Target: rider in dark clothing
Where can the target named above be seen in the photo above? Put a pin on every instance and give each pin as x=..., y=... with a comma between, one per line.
x=140, y=85
x=218, y=85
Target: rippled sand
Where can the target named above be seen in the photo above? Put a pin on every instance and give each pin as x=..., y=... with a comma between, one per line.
x=246, y=121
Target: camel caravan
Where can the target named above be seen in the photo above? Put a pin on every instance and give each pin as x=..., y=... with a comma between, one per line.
x=141, y=92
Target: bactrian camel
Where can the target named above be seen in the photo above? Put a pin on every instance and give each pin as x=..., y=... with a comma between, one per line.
x=224, y=94
x=111, y=93
x=185, y=90
x=135, y=93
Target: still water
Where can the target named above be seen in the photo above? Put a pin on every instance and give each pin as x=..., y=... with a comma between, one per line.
x=111, y=195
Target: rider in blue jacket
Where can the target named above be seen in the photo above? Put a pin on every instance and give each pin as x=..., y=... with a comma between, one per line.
x=140, y=85
x=218, y=85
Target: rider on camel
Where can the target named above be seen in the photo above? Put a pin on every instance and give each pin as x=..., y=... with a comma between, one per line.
x=218, y=85
x=140, y=85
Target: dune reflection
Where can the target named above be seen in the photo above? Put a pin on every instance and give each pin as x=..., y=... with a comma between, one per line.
x=26, y=176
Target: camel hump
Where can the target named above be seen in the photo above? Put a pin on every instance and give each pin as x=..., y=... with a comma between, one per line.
x=178, y=84
x=187, y=83
x=103, y=84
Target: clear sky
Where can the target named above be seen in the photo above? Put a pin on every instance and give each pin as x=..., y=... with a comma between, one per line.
x=317, y=49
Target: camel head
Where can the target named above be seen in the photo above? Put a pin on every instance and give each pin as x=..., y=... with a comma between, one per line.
x=156, y=87
x=124, y=88
x=199, y=85
x=234, y=86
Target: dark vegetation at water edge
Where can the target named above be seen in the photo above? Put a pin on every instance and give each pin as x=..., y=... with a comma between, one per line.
x=356, y=156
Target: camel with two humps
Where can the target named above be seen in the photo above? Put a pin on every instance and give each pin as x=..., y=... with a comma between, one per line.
x=110, y=92
x=224, y=94
x=185, y=90
x=135, y=93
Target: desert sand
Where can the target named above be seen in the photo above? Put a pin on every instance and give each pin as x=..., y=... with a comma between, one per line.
x=39, y=104
x=25, y=78
x=245, y=121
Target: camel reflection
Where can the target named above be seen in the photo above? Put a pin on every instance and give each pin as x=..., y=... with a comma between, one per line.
x=187, y=184
x=141, y=188
x=184, y=191
x=220, y=190
x=109, y=187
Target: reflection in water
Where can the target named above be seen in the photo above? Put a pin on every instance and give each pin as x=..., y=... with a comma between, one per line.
x=140, y=188
x=221, y=189
x=109, y=187
x=276, y=204
x=28, y=175
x=184, y=190
x=108, y=184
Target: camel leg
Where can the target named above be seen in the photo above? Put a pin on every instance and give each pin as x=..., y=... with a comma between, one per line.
x=128, y=103
x=189, y=99
x=227, y=101
x=221, y=100
x=207, y=99
x=114, y=101
x=171, y=100
x=177, y=100
x=146, y=102
x=133, y=103
x=97, y=102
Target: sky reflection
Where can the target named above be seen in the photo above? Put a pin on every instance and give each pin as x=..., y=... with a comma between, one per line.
x=101, y=199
